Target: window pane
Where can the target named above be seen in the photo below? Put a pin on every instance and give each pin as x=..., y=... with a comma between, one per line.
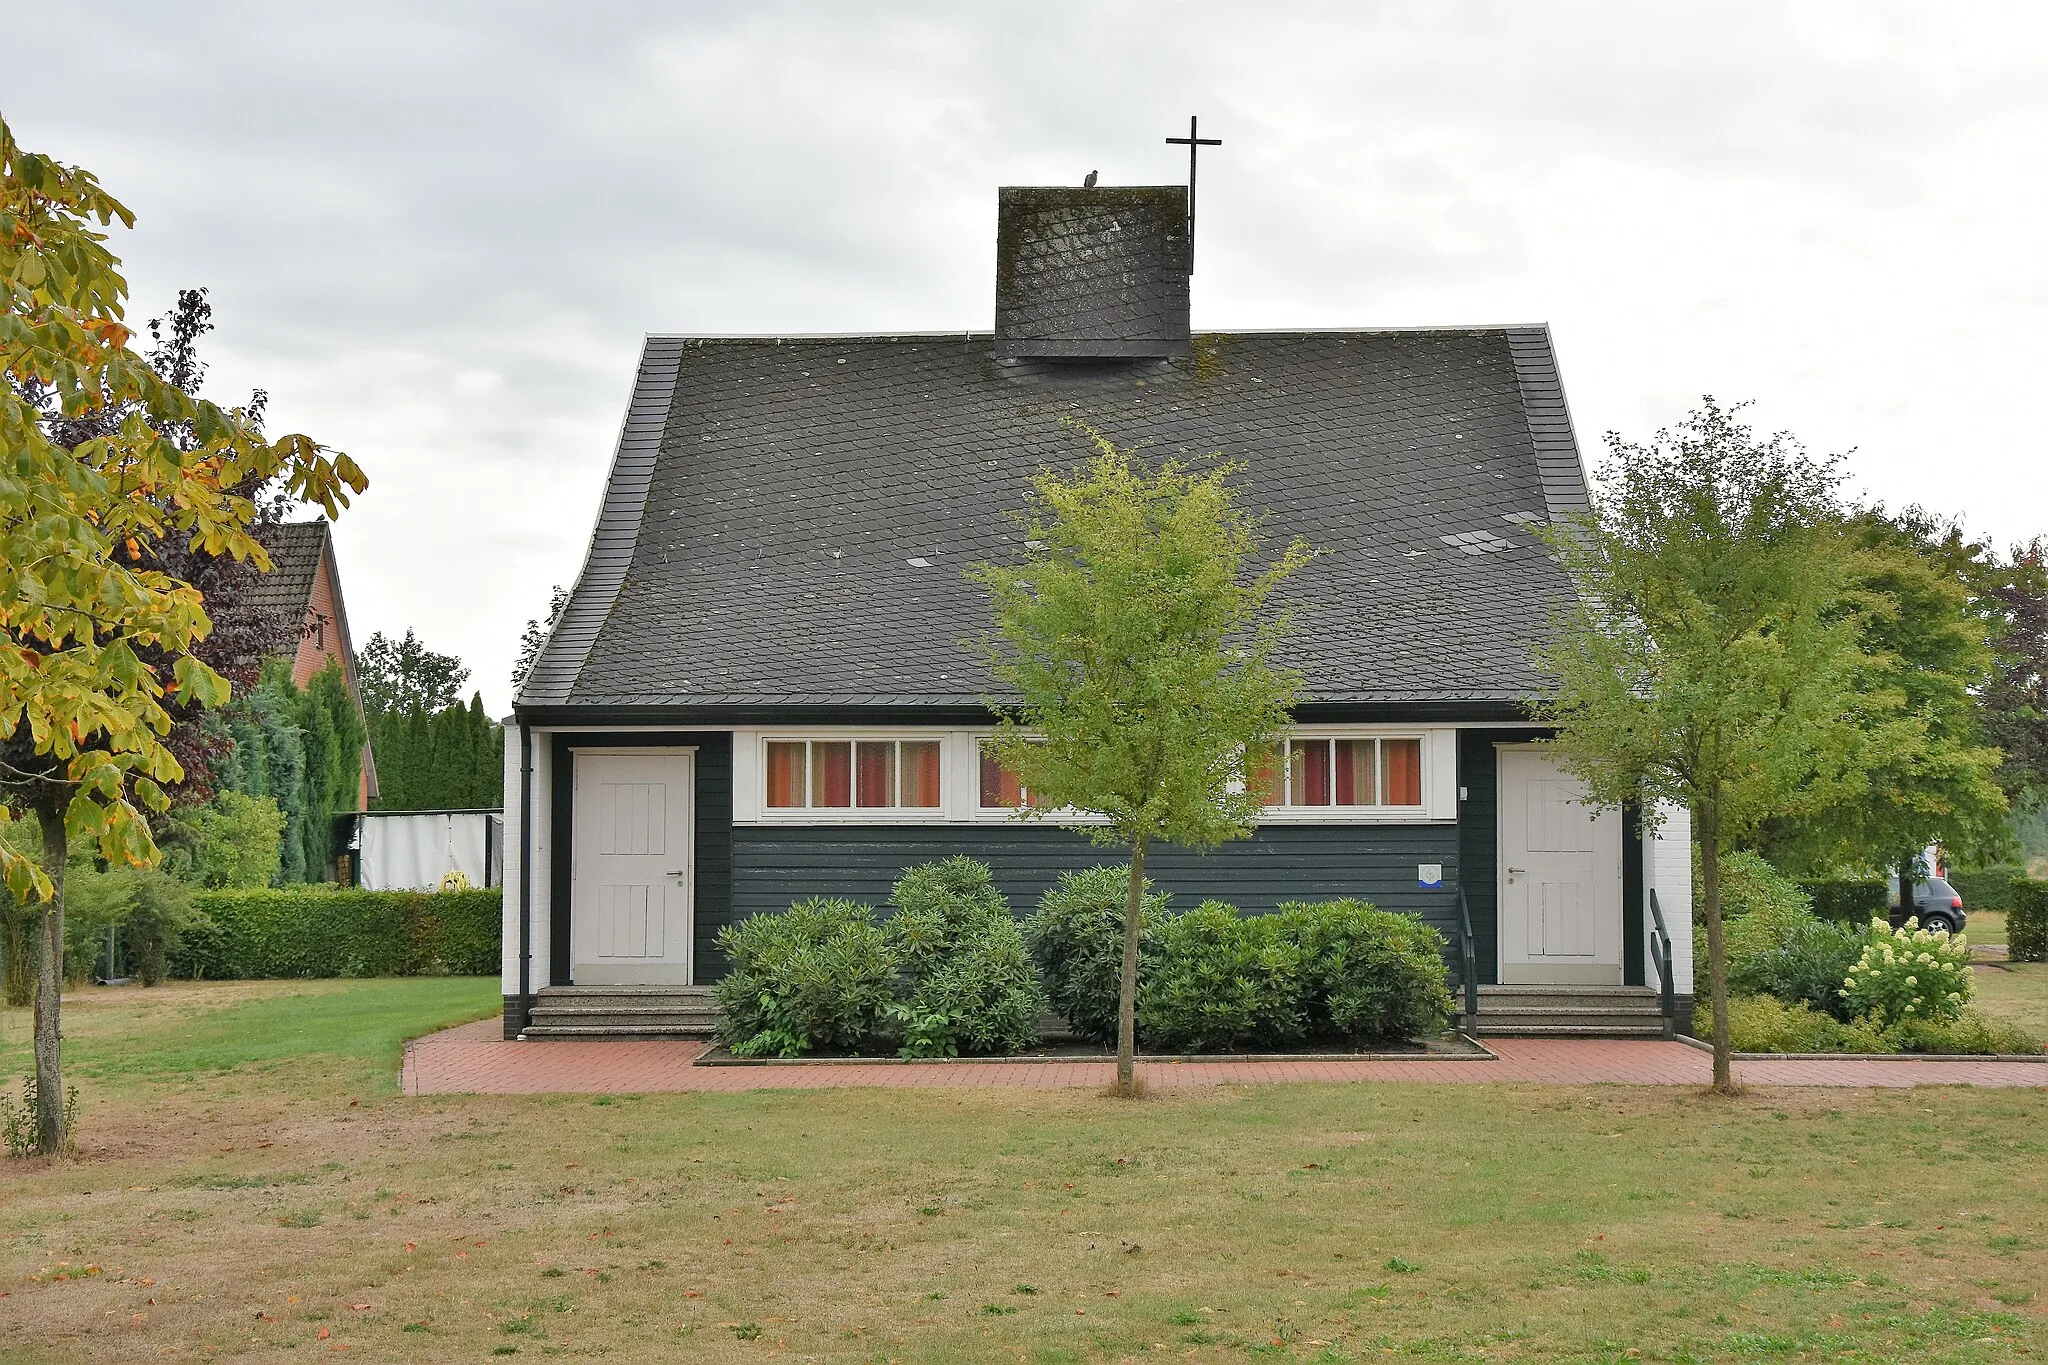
x=1264, y=774
x=998, y=788
x=1308, y=764
x=1402, y=778
x=785, y=773
x=875, y=773
x=1355, y=763
x=831, y=772
x=921, y=773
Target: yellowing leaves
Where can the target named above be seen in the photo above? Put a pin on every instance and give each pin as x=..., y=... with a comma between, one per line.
x=89, y=628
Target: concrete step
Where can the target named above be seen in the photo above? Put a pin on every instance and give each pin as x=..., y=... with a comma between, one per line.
x=538, y=1030
x=603, y=1019
x=1568, y=1012
x=627, y=995
x=1570, y=1030
x=624, y=1012
x=1560, y=1015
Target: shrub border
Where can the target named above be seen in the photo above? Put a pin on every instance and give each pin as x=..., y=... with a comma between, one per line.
x=1873, y=1056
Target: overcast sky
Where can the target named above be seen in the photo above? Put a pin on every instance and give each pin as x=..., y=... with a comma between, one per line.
x=437, y=233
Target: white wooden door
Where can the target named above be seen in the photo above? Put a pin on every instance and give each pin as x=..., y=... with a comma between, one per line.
x=1560, y=877
x=633, y=872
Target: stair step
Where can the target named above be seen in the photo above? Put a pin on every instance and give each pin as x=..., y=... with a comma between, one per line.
x=705, y=993
x=695, y=1022
x=545, y=1031
x=627, y=1006
x=1516, y=1030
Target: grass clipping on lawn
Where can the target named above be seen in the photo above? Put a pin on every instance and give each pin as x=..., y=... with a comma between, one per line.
x=227, y=1208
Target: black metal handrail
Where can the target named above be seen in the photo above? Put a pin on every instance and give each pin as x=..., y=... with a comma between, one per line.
x=1469, y=955
x=1660, y=953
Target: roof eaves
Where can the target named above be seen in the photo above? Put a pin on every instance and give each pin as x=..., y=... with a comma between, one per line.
x=569, y=641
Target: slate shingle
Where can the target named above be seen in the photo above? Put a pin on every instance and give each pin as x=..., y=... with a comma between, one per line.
x=295, y=549
x=759, y=552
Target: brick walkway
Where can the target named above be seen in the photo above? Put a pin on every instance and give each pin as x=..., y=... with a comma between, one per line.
x=475, y=1059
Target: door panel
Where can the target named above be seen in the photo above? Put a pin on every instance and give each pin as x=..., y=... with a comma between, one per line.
x=633, y=875
x=1560, y=892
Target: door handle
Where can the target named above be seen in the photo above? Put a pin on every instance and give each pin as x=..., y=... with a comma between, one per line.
x=677, y=872
x=1513, y=870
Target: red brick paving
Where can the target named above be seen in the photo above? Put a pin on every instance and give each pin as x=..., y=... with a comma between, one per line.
x=475, y=1059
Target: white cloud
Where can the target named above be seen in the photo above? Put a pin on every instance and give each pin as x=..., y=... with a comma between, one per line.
x=438, y=235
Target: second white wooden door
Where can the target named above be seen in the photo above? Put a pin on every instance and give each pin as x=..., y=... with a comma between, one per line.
x=1560, y=877
x=632, y=870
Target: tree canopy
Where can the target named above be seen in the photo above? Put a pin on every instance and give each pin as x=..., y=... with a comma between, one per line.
x=99, y=635
x=1135, y=638
x=1922, y=773
x=404, y=675
x=1710, y=658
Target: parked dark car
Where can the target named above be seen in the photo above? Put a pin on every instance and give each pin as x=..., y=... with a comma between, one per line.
x=1936, y=904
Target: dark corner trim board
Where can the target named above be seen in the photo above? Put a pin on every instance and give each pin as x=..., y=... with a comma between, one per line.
x=713, y=817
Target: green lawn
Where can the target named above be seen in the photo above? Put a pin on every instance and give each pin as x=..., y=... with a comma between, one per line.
x=2017, y=991
x=249, y=1184
x=1986, y=926
x=348, y=1032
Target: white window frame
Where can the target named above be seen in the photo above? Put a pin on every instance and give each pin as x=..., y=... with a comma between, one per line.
x=750, y=777
x=1439, y=780
x=960, y=781
x=1013, y=815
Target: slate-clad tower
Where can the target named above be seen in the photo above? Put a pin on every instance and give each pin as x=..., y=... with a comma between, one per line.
x=1091, y=274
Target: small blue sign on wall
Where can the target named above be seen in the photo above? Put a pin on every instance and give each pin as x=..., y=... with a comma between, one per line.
x=1429, y=876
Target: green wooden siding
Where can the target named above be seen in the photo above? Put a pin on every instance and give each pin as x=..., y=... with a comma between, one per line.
x=774, y=865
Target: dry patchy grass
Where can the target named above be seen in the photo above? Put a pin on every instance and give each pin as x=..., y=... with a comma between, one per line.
x=237, y=1213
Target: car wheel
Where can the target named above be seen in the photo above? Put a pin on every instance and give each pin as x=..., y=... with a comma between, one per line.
x=1940, y=922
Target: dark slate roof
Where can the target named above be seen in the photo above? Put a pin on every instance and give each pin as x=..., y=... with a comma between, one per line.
x=787, y=520
x=295, y=550
x=1091, y=272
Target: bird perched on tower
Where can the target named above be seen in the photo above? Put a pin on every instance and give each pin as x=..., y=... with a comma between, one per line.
x=1089, y=183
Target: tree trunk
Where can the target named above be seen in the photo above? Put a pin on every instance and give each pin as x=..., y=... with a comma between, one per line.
x=1906, y=879
x=50, y=1133
x=1127, y=988
x=1717, y=957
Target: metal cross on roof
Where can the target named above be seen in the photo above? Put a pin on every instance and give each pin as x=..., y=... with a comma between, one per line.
x=1193, y=143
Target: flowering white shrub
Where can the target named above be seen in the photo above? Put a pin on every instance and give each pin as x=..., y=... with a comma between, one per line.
x=1909, y=974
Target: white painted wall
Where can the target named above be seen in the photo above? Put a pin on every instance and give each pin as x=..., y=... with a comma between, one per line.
x=517, y=849
x=1668, y=868
x=515, y=855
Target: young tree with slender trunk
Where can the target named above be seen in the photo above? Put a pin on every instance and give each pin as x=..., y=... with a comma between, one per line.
x=1709, y=657
x=1136, y=636
x=99, y=640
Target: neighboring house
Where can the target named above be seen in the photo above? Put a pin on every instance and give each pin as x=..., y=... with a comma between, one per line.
x=758, y=690
x=303, y=579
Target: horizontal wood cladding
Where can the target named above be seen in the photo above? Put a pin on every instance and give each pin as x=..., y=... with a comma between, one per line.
x=775, y=865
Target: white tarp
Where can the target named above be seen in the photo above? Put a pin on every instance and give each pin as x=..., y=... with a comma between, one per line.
x=414, y=850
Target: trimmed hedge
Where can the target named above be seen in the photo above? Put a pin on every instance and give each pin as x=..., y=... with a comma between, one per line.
x=1850, y=900
x=1988, y=889
x=306, y=931
x=2026, y=922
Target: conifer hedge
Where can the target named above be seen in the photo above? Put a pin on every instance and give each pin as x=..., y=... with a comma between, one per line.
x=2026, y=922
x=306, y=931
